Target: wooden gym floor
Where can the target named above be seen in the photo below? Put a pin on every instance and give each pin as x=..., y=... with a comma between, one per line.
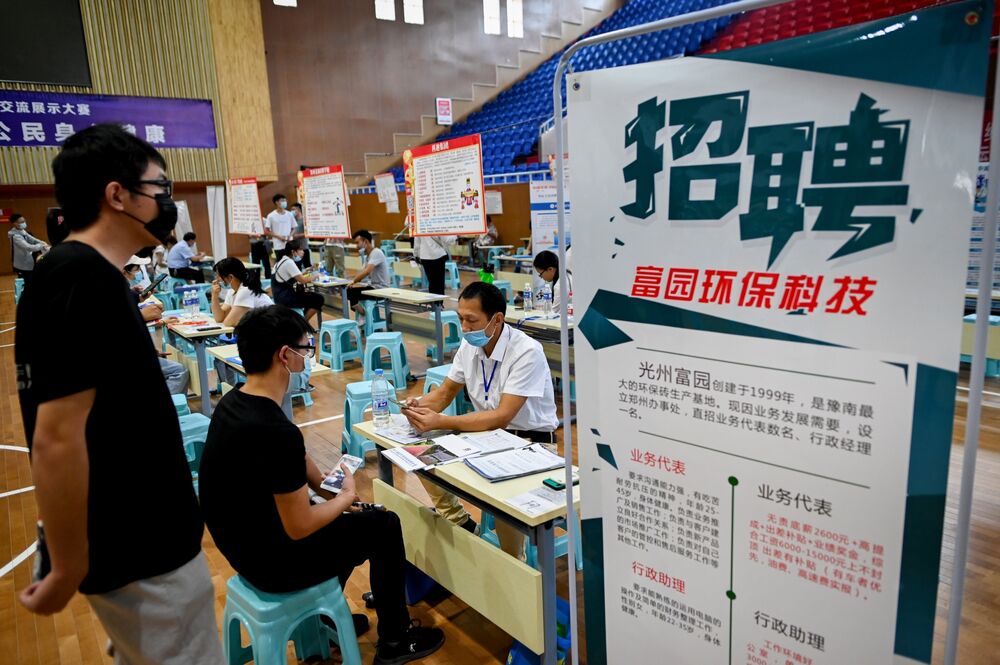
x=75, y=637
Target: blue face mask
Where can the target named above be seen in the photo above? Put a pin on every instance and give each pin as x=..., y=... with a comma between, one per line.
x=478, y=338
x=283, y=205
x=136, y=279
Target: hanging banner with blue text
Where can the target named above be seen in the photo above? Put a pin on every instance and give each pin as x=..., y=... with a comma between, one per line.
x=776, y=246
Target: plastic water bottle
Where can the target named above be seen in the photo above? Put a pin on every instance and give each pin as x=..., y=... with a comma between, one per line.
x=528, y=296
x=546, y=296
x=380, y=401
x=569, y=306
x=190, y=302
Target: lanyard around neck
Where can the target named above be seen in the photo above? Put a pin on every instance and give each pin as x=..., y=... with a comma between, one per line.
x=488, y=382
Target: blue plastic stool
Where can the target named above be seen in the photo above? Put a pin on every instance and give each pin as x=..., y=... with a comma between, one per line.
x=272, y=619
x=506, y=288
x=300, y=311
x=393, y=343
x=181, y=404
x=435, y=377
x=18, y=289
x=339, y=340
x=374, y=321
x=487, y=531
x=299, y=386
x=491, y=257
x=265, y=284
x=386, y=245
x=521, y=655
x=357, y=399
x=452, y=333
x=194, y=432
x=451, y=275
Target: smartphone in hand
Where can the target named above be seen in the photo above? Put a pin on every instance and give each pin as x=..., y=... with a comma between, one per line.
x=335, y=481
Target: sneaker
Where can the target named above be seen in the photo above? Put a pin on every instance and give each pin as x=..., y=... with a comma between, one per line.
x=417, y=643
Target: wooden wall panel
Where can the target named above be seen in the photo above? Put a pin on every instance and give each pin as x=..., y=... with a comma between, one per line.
x=154, y=48
x=342, y=82
x=244, y=102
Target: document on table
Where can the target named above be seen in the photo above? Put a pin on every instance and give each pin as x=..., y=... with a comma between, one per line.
x=515, y=463
x=494, y=441
x=538, y=501
x=401, y=431
x=415, y=458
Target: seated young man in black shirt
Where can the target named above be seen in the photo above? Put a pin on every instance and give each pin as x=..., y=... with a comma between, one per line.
x=255, y=479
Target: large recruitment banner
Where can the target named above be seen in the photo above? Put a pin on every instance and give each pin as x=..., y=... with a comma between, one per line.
x=244, y=206
x=325, y=194
x=775, y=242
x=445, y=191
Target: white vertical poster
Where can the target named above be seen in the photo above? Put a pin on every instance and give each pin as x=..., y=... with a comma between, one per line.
x=244, y=206
x=183, y=220
x=326, y=202
x=444, y=111
x=767, y=341
x=545, y=215
x=385, y=187
x=445, y=187
x=494, y=202
x=215, y=195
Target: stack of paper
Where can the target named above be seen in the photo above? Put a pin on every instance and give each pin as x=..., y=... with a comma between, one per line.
x=515, y=463
x=445, y=448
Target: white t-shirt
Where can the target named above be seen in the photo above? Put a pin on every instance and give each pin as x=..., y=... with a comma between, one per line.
x=244, y=297
x=517, y=367
x=432, y=247
x=286, y=270
x=556, y=290
x=281, y=224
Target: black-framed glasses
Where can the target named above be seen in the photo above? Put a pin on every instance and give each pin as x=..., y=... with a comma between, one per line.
x=309, y=348
x=164, y=183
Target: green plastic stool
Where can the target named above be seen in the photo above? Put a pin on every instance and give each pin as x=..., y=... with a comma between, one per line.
x=272, y=619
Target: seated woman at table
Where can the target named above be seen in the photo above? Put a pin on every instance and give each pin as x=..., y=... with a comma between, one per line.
x=245, y=292
x=254, y=487
x=288, y=282
x=547, y=268
x=507, y=378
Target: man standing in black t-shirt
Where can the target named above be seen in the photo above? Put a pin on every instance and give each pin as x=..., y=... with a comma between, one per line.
x=121, y=520
x=255, y=478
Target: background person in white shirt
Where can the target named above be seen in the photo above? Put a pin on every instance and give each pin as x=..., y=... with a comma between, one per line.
x=508, y=380
x=432, y=252
x=547, y=268
x=245, y=292
x=281, y=223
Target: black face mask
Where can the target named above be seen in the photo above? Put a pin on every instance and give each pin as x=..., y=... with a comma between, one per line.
x=163, y=224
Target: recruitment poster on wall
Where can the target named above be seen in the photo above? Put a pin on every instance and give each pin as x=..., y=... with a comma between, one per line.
x=244, y=206
x=445, y=191
x=764, y=435
x=326, y=202
x=385, y=187
x=545, y=215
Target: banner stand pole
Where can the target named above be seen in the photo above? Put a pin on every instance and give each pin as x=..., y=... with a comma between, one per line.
x=572, y=527
x=976, y=381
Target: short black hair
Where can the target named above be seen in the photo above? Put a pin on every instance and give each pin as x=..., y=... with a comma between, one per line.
x=491, y=299
x=262, y=331
x=362, y=233
x=14, y=216
x=190, y=236
x=92, y=158
x=294, y=245
x=545, y=260
x=170, y=240
x=233, y=267
x=297, y=205
x=278, y=197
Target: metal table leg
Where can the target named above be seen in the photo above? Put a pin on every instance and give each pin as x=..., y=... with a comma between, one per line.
x=388, y=314
x=344, y=303
x=384, y=468
x=544, y=537
x=199, y=353
x=439, y=332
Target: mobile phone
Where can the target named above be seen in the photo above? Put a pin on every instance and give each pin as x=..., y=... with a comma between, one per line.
x=42, y=564
x=149, y=289
x=335, y=481
x=205, y=328
x=554, y=484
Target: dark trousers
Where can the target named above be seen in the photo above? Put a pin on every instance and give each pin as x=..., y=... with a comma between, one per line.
x=25, y=275
x=188, y=273
x=301, y=300
x=356, y=294
x=343, y=545
x=258, y=254
x=434, y=269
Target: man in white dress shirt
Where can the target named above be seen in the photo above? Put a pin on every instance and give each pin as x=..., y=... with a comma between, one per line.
x=507, y=378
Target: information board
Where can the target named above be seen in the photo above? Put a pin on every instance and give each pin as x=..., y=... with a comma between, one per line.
x=325, y=202
x=244, y=206
x=446, y=180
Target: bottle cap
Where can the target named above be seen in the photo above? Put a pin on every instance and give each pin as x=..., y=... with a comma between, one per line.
x=378, y=372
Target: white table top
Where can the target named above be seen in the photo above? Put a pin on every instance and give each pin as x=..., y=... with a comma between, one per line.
x=463, y=477
x=406, y=295
x=534, y=318
x=187, y=327
x=521, y=258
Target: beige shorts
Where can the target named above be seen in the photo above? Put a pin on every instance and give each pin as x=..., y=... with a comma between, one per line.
x=164, y=620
